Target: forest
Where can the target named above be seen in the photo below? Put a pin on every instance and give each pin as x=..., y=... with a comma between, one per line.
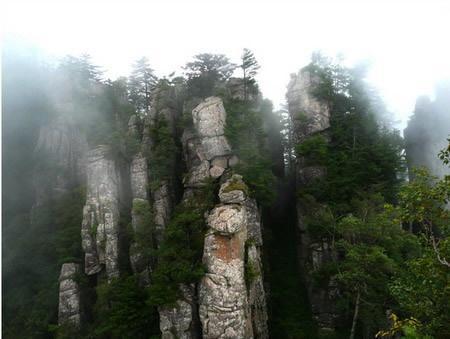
x=186, y=206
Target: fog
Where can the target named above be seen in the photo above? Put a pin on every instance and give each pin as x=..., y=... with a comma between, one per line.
x=403, y=41
x=146, y=143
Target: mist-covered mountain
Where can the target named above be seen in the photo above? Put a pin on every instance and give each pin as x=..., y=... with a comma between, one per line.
x=185, y=207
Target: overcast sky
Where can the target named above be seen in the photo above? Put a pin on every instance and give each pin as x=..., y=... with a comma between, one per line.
x=407, y=42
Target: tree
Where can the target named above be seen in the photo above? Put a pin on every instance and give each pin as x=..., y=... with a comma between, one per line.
x=444, y=154
x=423, y=288
x=206, y=72
x=422, y=202
x=121, y=310
x=247, y=134
x=142, y=81
x=249, y=68
x=362, y=154
x=372, y=247
x=179, y=258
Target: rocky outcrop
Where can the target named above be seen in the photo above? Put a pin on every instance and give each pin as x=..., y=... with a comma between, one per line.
x=140, y=207
x=209, y=122
x=140, y=210
x=236, y=89
x=61, y=151
x=207, y=151
x=139, y=176
x=162, y=208
x=176, y=321
x=311, y=117
x=254, y=272
x=308, y=114
x=100, y=226
x=69, y=305
x=230, y=306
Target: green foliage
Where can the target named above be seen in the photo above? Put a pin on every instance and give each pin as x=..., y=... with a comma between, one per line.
x=121, y=310
x=422, y=200
x=66, y=331
x=41, y=247
x=314, y=149
x=143, y=235
x=409, y=327
x=141, y=82
x=361, y=154
x=422, y=288
x=249, y=68
x=444, y=154
x=251, y=273
x=319, y=219
x=236, y=185
x=369, y=249
x=206, y=73
x=162, y=154
x=244, y=130
x=180, y=254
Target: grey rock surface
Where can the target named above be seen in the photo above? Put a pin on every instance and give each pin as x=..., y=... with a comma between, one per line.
x=310, y=117
x=69, y=305
x=209, y=121
x=228, y=307
x=176, y=322
x=309, y=114
x=139, y=176
x=61, y=145
x=100, y=226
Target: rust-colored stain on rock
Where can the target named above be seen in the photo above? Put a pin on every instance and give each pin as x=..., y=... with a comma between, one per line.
x=227, y=248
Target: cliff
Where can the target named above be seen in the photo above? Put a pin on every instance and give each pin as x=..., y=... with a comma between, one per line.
x=311, y=118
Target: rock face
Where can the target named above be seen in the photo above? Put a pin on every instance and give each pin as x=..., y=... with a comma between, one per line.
x=308, y=114
x=176, y=322
x=228, y=307
x=207, y=151
x=139, y=211
x=69, y=309
x=140, y=206
x=236, y=90
x=164, y=108
x=139, y=177
x=100, y=226
x=162, y=208
x=209, y=121
x=311, y=117
x=62, y=146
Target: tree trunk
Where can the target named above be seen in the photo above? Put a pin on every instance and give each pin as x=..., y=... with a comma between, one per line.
x=355, y=316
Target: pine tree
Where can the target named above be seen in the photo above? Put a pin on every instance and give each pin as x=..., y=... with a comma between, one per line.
x=206, y=72
x=142, y=81
x=249, y=68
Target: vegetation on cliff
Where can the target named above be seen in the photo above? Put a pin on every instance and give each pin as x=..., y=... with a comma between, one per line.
x=388, y=238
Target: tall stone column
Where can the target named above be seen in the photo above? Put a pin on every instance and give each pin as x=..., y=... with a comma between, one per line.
x=311, y=117
x=100, y=226
x=69, y=306
x=231, y=294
